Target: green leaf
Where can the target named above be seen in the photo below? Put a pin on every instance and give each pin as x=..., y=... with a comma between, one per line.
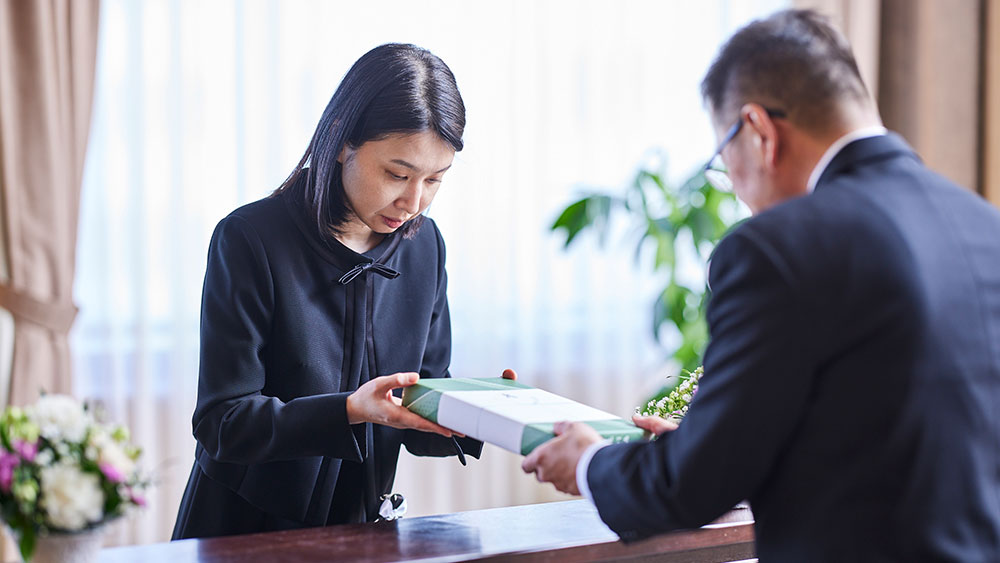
x=701, y=225
x=639, y=191
x=599, y=215
x=573, y=219
x=694, y=340
x=665, y=256
x=678, y=303
x=657, y=180
x=5, y=438
x=26, y=542
x=669, y=306
x=593, y=211
x=661, y=313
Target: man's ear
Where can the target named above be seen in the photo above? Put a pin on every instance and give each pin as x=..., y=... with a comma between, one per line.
x=764, y=132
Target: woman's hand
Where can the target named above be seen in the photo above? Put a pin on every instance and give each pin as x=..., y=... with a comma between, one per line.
x=374, y=402
x=654, y=424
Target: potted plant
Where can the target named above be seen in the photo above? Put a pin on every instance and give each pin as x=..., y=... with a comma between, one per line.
x=670, y=226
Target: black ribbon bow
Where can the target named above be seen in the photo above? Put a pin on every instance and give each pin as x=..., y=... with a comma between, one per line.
x=356, y=271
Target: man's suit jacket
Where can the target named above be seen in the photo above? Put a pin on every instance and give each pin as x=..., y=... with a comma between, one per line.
x=852, y=381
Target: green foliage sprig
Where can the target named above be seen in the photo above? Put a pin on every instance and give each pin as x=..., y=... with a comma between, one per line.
x=675, y=404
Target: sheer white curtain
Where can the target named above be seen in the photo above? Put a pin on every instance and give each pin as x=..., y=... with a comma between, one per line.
x=204, y=106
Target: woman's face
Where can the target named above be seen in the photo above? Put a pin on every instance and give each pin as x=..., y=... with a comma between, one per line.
x=392, y=180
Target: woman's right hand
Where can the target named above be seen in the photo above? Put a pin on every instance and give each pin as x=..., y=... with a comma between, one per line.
x=374, y=402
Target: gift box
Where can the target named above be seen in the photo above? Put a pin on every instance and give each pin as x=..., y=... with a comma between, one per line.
x=508, y=414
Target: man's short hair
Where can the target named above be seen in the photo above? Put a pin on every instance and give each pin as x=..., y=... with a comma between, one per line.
x=794, y=61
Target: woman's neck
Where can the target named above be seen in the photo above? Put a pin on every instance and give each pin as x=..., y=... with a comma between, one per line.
x=358, y=237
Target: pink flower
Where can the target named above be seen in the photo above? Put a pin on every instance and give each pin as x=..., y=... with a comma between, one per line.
x=134, y=497
x=8, y=462
x=111, y=473
x=27, y=450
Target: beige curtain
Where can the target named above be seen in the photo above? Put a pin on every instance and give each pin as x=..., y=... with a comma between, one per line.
x=931, y=56
x=928, y=64
x=991, y=102
x=859, y=20
x=47, y=62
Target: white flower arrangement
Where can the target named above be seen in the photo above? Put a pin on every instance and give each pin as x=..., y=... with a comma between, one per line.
x=63, y=471
x=674, y=405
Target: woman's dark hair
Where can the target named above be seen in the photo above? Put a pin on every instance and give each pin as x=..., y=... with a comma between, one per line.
x=394, y=88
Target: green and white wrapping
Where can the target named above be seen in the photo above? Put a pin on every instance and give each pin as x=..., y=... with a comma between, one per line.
x=506, y=413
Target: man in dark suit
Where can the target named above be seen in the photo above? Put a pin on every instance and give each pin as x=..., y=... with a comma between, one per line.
x=852, y=381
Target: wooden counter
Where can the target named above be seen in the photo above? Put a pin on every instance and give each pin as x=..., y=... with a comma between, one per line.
x=559, y=531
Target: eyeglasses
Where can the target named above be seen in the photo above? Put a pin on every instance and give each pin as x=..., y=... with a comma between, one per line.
x=718, y=176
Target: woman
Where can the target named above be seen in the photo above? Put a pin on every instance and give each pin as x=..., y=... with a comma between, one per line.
x=314, y=292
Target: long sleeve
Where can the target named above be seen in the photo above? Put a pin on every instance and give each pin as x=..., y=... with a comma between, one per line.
x=233, y=421
x=755, y=389
x=437, y=358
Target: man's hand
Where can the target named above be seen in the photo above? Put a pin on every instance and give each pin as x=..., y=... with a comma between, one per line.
x=654, y=424
x=374, y=402
x=555, y=461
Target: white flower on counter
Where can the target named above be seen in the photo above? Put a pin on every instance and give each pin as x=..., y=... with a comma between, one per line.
x=45, y=457
x=63, y=470
x=111, y=458
x=60, y=417
x=71, y=498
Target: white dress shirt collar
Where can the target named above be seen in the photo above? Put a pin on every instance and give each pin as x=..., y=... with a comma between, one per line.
x=836, y=147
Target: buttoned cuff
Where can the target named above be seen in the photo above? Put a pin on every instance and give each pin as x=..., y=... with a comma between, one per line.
x=584, y=464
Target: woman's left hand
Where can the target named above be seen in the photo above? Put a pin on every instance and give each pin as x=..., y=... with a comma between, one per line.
x=374, y=402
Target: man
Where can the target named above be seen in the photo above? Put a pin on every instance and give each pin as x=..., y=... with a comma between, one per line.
x=852, y=382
